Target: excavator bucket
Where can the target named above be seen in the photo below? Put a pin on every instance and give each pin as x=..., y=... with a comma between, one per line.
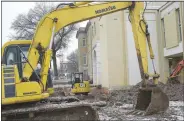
x=151, y=100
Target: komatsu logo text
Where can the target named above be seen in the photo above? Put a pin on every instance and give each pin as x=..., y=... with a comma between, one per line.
x=105, y=9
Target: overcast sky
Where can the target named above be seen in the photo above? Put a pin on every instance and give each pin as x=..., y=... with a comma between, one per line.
x=11, y=9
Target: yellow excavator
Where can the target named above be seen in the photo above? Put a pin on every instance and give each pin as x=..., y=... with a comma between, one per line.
x=22, y=84
x=79, y=85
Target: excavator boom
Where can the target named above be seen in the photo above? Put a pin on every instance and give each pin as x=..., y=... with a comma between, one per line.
x=63, y=17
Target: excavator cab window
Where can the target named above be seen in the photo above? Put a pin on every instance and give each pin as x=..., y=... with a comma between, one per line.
x=78, y=78
x=22, y=61
x=12, y=56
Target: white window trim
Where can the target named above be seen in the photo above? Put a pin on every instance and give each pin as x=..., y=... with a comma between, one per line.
x=179, y=23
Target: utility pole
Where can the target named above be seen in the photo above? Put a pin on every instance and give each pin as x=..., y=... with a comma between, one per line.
x=182, y=16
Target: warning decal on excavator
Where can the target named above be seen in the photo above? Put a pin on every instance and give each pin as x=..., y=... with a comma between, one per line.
x=82, y=85
x=29, y=93
x=105, y=9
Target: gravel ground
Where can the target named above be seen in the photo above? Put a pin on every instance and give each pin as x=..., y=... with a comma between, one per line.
x=120, y=102
x=175, y=112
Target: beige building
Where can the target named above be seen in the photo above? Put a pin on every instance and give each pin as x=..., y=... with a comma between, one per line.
x=171, y=34
x=82, y=51
x=112, y=59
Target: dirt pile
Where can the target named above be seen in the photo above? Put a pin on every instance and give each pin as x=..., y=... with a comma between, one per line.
x=175, y=92
x=62, y=91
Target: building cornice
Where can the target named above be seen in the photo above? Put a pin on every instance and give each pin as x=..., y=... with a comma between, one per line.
x=81, y=30
x=165, y=6
x=87, y=26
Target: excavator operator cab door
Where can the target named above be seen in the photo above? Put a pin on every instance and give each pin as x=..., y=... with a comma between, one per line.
x=78, y=77
x=13, y=56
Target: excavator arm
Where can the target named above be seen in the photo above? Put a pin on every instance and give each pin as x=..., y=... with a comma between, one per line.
x=81, y=11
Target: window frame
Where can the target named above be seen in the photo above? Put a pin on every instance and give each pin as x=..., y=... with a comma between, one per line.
x=84, y=41
x=163, y=30
x=85, y=62
x=179, y=24
x=6, y=52
x=94, y=28
x=18, y=56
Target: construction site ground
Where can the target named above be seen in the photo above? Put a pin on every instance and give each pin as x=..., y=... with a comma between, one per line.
x=119, y=102
x=116, y=104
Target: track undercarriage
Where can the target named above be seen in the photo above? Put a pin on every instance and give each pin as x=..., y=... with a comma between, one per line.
x=51, y=109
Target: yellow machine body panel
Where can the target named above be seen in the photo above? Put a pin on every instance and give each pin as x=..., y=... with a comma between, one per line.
x=50, y=91
x=81, y=87
x=28, y=88
x=13, y=89
x=24, y=99
x=15, y=42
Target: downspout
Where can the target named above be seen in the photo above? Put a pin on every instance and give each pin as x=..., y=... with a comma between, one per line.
x=182, y=16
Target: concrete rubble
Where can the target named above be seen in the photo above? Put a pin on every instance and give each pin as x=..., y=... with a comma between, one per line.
x=116, y=104
x=120, y=102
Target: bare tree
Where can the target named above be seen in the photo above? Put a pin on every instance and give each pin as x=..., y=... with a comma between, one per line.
x=25, y=24
x=73, y=58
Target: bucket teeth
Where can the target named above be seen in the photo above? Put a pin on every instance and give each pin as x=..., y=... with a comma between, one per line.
x=136, y=112
x=140, y=113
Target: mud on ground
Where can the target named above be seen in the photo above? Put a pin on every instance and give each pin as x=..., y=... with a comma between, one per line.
x=119, y=102
x=122, y=101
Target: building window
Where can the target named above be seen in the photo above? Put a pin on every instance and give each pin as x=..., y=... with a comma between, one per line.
x=84, y=42
x=92, y=32
x=85, y=60
x=163, y=31
x=179, y=24
x=94, y=29
x=85, y=75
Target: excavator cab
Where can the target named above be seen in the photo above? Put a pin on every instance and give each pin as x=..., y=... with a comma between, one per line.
x=79, y=86
x=14, y=89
